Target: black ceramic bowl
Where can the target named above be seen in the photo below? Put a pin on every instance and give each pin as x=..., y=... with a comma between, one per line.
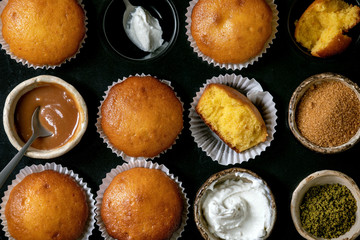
x=163, y=10
x=297, y=8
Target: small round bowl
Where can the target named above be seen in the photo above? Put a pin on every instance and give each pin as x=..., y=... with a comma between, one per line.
x=321, y=178
x=9, y=111
x=163, y=10
x=296, y=97
x=297, y=8
x=220, y=177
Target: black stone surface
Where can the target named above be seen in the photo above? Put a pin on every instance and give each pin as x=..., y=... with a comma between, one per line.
x=283, y=165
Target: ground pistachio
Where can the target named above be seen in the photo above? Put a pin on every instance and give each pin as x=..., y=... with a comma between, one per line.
x=328, y=211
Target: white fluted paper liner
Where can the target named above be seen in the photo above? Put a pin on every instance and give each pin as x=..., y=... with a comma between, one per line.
x=5, y=46
x=210, y=143
x=136, y=164
x=118, y=152
x=232, y=66
x=89, y=227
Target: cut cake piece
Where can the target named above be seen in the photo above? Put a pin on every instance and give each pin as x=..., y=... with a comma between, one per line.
x=320, y=28
x=232, y=116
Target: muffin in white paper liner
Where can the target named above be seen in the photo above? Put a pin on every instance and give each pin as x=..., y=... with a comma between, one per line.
x=210, y=143
x=89, y=227
x=138, y=164
x=233, y=66
x=5, y=46
x=118, y=152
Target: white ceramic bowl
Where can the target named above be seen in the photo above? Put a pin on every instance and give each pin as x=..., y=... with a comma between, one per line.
x=296, y=97
x=9, y=110
x=232, y=173
x=320, y=178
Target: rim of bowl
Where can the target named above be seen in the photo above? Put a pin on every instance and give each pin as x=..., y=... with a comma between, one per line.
x=172, y=40
x=319, y=178
x=9, y=110
x=296, y=97
x=223, y=175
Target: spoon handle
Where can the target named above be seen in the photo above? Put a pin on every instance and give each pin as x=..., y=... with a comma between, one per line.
x=127, y=3
x=4, y=174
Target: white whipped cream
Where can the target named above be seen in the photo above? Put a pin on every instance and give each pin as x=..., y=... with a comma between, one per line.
x=238, y=209
x=144, y=30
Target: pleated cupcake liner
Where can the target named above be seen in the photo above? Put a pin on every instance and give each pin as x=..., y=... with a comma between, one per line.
x=232, y=66
x=90, y=224
x=5, y=46
x=139, y=164
x=119, y=152
x=210, y=143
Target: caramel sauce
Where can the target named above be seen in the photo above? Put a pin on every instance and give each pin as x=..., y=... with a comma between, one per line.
x=58, y=113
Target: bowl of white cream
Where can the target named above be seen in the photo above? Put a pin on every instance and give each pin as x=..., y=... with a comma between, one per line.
x=235, y=204
x=150, y=32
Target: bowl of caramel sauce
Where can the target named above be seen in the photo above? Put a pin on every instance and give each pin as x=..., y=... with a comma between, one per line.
x=62, y=111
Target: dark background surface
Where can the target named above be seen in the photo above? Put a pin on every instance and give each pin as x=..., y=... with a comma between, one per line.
x=283, y=165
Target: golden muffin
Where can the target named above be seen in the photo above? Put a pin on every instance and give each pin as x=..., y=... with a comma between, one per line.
x=142, y=203
x=320, y=28
x=231, y=31
x=45, y=206
x=232, y=116
x=141, y=116
x=43, y=32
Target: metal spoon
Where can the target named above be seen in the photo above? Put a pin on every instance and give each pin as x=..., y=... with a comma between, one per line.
x=37, y=131
x=130, y=9
x=127, y=14
x=127, y=17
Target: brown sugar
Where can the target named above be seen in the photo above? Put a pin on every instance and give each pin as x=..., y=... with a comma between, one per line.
x=328, y=114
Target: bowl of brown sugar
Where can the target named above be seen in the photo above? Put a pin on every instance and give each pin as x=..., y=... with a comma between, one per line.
x=324, y=113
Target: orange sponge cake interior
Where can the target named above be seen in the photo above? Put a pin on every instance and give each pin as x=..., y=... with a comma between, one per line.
x=231, y=116
x=320, y=28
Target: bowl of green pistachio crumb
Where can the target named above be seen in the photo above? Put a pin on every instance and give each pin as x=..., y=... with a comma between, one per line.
x=326, y=205
x=324, y=113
